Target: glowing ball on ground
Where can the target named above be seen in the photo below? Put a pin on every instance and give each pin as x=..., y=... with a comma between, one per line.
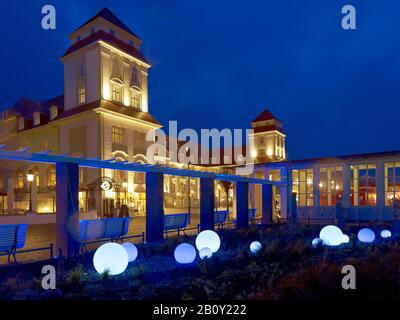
x=331, y=235
x=111, y=257
x=345, y=238
x=208, y=239
x=366, y=235
x=386, y=234
x=205, y=253
x=255, y=246
x=316, y=242
x=185, y=253
x=131, y=250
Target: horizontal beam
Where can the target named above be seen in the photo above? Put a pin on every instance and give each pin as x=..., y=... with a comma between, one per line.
x=45, y=157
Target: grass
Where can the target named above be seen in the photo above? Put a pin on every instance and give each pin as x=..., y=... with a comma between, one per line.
x=287, y=267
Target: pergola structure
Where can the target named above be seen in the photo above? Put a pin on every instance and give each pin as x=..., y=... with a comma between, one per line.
x=67, y=191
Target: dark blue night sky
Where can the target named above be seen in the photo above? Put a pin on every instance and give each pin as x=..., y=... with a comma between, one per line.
x=220, y=63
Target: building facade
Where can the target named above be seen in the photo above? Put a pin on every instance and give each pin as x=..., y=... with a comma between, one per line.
x=104, y=113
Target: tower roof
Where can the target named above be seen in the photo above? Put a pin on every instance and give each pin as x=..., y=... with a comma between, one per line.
x=265, y=116
x=106, y=14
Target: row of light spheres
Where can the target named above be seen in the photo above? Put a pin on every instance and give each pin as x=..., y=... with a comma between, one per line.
x=114, y=257
x=332, y=236
x=207, y=242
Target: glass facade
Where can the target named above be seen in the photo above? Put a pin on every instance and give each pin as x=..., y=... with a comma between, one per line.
x=330, y=185
x=363, y=185
x=303, y=186
x=392, y=182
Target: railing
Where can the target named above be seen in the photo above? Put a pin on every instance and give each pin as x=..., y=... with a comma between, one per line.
x=142, y=236
x=50, y=248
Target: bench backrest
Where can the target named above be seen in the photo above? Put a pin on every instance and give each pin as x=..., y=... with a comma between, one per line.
x=116, y=227
x=176, y=221
x=220, y=216
x=103, y=228
x=12, y=236
x=252, y=213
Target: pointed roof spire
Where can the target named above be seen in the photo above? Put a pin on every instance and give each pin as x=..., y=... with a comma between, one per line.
x=106, y=14
x=265, y=116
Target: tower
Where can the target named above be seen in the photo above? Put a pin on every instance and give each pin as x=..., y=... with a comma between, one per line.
x=104, y=62
x=269, y=138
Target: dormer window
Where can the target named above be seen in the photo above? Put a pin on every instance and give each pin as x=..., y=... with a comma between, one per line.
x=82, y=94
x=53, y=112
x=112, y=32
x=36, y=119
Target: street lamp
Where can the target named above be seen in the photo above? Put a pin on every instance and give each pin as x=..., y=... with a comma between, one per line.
x=30, y=177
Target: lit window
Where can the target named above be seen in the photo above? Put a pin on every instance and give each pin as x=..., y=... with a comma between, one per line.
x=302, y=185
x=20, y=179
x=330, y=185
x=363, y=185
x=51, y=176
x=135, y=100
x=392, y=183
x=82, y=95
x=36, y=118
x=116, y=92
x=119, y=135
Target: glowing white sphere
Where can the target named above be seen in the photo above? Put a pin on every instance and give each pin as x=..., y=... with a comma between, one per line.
x=131, y=250
x=205, y=253
x=185, y=253
x=316, y=242
x=331, y=235
x=366, y=235
x=345, y=238
x=112, y=257
x=208, y=239
x=255, y=246
x=386, y=234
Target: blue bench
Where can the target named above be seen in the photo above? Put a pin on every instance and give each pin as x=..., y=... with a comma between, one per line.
x=251, y=215
x=102, y=229
x=12, y=237
x=176, y=221
x=220, y=217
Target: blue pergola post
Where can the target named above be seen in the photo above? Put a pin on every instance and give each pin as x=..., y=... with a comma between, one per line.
x=154, y=207
x=293, y=208
x=67, y=207
x=242, y=205
x=266, y=204
x=206, y=204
